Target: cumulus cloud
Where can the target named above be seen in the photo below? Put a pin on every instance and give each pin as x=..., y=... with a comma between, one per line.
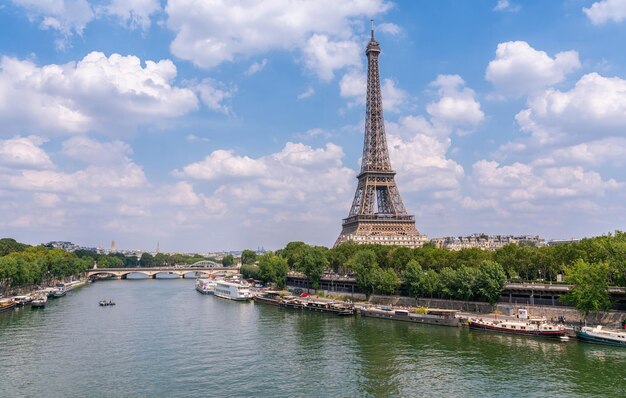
x=97, y=93
x=71, y=17
x=216, y=95
x=519, y=69
x=211, y=33
x=132, y=13
x=24, y=152
x=306, y=93
x=457, y=106
x=594, y=108
x=389, y=28
x=605, y=11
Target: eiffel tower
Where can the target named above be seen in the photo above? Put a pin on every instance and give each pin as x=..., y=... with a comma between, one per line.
x=377, y=214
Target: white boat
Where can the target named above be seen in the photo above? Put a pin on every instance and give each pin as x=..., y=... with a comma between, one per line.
x=602, y=336
x=40, y=301
x=206, y=285
x=531, y=327
x=233, y=290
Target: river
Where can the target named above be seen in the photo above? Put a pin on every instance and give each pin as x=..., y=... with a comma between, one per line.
x=163, y=339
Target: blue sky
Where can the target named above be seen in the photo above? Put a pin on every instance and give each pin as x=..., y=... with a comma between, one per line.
x=209, y=125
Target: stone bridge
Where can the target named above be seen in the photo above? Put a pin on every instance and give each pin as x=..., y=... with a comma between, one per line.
x=152, y=272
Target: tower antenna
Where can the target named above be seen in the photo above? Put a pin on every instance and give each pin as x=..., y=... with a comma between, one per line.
x=372, y=21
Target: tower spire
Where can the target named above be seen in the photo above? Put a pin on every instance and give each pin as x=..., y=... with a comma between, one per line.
x=372, y=31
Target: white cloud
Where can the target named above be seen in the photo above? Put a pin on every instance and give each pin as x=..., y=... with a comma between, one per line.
x=457, y=106
x=306, y=93
x=324, y=56
x=24, y=152
x=97, y=93
x=68, y=17
x=256, y=67
x=71, y=17
x=505, y=5
x=389, y=28
x=353, y=85
x=222, y=163
x=133, y=13
x=216, y=95
x=604, y=11
x=594, y=108
x=210, y=33
x=519, y=69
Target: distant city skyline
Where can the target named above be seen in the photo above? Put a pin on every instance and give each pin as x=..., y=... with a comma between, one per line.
x=233, y=125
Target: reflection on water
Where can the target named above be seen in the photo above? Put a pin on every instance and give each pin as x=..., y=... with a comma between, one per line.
x=165, y=339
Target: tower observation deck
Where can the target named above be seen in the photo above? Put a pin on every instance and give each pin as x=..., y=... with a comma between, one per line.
x=377, y=214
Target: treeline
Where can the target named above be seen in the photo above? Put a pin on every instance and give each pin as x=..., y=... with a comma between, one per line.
x=469, y=274
x=22, y=264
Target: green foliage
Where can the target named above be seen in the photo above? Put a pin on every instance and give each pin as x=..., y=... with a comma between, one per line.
x=385, y=281
x=591, y=291
x=293, y=253
x=146, y=260
x=250, y=271
x=228, y=260
x=248, y=257
x=490, y=281
x=364, y=264
x=312, y=262
x=8, y=245
x=412, y=277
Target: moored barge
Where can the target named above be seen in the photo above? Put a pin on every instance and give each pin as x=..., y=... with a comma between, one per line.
x=601, y=336
x=431, y=316
x=529, y=327
x=270, y=297
x=331, y=307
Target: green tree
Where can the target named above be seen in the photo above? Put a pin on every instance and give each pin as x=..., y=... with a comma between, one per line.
x=8, y=245
x=591, y=290
x=146, y=260
x=160, y=260
x=399, y=257
x=429, y=284
x=339, y=255
x=490, y=280
x=250, y=271
x=412, y=277
x=293, y=252
x=364, y=263
x=385, y=281
x=248, y=257
x=228, y=260
x=312, y=263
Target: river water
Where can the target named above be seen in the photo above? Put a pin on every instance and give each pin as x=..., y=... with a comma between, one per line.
x=164, y=339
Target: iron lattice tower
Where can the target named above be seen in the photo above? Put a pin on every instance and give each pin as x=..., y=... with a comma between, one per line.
x=377, y=214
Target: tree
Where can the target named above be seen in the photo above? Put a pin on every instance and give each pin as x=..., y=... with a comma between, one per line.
x=228, y=260
x=146, y=260
x=338, y=256
x=8, y=245
x=430, y=283
x=490, y=280
x=364, y=263
x=399, y=257
x=385, y=281
x=591, y=290
x=312, y=262
x=293, y=253
x=412, y=276
x=248, y=257
x=160, y=260
x=250, y=271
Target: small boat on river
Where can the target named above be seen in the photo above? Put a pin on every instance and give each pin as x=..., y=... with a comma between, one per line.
x=21, y=301
x=6, y=304
x=431, y=316
x=271, y=297
x=105, y=303
x=39, y=301
x=528, y=327
x=331, y=307
x=602, y=336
